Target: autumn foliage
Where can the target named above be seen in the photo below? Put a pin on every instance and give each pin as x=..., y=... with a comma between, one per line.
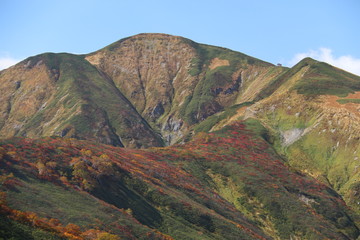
x=183, y=181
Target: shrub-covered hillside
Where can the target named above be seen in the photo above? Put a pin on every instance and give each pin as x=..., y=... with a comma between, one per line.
x=228, y=184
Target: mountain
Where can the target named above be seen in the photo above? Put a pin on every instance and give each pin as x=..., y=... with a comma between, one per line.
x=146, y=90
x=159, y=137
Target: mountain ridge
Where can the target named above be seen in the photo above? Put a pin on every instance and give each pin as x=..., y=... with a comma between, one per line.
x=189, y=90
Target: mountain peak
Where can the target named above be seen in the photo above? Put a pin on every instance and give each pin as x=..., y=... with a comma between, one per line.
x=321, y=78
x=307, y=60
x=154, y=35
x=143, y=37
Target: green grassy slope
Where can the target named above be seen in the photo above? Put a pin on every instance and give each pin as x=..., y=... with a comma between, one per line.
x=323, y=78
x=319, y=79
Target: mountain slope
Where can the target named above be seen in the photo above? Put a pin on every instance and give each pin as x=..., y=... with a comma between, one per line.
x=314, y=118
x=175, y=83
x=62, y=94
x=225, y=185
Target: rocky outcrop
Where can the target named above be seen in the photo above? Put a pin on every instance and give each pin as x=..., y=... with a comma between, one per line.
x=291, y=135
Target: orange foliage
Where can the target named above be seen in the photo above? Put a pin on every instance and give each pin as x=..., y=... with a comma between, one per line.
x=70, y=231
x=73, y=229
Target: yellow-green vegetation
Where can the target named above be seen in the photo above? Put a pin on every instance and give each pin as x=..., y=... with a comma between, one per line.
x=329, y=156
x=322, y=150
x=250, y=206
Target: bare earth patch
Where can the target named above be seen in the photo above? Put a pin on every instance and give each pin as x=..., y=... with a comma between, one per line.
x=95, y=59
x=217, y=62
x=331, y=101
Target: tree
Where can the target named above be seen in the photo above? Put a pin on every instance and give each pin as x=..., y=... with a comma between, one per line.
x=107, y=236
x=104, y=165
x=81, y=171
x=41, y=168
x=51, y=164
x=86, y=152
x=73, y=229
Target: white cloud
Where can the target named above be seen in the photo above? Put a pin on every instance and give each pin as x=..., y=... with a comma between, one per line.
x=6, y=62
x=347, y=62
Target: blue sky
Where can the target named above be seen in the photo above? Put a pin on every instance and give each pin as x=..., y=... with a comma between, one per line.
x=277, y=31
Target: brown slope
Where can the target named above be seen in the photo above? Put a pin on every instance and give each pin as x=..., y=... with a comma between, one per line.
x=174, y=82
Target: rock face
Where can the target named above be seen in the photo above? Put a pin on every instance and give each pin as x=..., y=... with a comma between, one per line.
x=291, y=135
